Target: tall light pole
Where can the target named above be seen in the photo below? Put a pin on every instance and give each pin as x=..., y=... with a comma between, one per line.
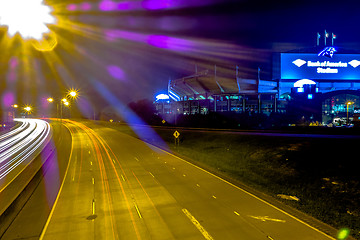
x=347, y=111
x=14, y=107
x=66, y=103
x=51, y=100
x=62, y=101
x=71, y=94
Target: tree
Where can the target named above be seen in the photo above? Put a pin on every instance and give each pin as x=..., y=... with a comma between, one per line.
x=144, y=109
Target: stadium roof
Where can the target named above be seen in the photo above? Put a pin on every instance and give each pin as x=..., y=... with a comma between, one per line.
x=219, y=81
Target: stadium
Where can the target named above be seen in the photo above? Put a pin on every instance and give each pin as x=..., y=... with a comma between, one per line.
x=319, y=84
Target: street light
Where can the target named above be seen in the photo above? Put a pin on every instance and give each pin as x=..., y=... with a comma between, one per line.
x=51, y=100
x=347, y=111
x=14, y=107
x=28, y=109
x=62, y=101
x=71, y=94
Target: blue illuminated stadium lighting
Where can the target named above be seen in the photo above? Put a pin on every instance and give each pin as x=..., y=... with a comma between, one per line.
x=310, y=96
x=174, y=96
x=300, y=90
x=162, y=96
x=302, y=82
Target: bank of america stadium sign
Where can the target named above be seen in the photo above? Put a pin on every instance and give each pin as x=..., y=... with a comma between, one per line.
x=311, y=66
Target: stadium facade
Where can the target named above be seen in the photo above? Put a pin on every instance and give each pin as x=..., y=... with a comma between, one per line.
x=321, y=84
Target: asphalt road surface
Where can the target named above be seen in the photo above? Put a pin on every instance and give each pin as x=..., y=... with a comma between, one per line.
x=118, y=187
x=36, y=188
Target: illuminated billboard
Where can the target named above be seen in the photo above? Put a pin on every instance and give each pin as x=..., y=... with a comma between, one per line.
x=311, y=66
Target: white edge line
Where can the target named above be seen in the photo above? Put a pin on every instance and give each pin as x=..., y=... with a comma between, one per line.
x=57, y=197
x=202, y=230
x=252, y=195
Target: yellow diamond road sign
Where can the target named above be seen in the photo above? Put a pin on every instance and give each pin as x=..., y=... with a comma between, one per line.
x=176, y=134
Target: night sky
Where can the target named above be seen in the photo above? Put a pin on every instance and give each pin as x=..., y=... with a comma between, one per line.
x=118, y=52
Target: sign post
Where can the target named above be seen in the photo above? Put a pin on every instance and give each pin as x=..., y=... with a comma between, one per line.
x=176, y=137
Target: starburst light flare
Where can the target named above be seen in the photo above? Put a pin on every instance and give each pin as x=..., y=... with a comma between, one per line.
x=29, y=18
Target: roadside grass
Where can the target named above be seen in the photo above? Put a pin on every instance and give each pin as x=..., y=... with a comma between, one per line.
x=322, y=173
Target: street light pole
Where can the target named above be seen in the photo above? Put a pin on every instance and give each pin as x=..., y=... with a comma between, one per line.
x=60, y=112
x=72, y=94
x=14, y=107
x=347, y=112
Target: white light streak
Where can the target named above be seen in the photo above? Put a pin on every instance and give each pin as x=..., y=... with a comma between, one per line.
x=18, y=145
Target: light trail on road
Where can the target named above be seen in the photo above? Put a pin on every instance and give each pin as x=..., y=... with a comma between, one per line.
x=101, y=146
x=17, y=146
x=101, y=158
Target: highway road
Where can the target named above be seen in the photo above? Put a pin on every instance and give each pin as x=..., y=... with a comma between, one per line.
x=18, y=145
x=118, y=187
x=21, y=155
x=28, y=198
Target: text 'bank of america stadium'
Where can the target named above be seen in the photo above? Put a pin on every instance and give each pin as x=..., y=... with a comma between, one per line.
x=321, y=84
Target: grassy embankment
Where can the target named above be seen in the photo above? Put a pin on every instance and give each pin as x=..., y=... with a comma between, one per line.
x=321, y=172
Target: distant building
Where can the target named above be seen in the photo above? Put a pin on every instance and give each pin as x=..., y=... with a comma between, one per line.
x=322, y=82
x=318, y=84
x=217, y=91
